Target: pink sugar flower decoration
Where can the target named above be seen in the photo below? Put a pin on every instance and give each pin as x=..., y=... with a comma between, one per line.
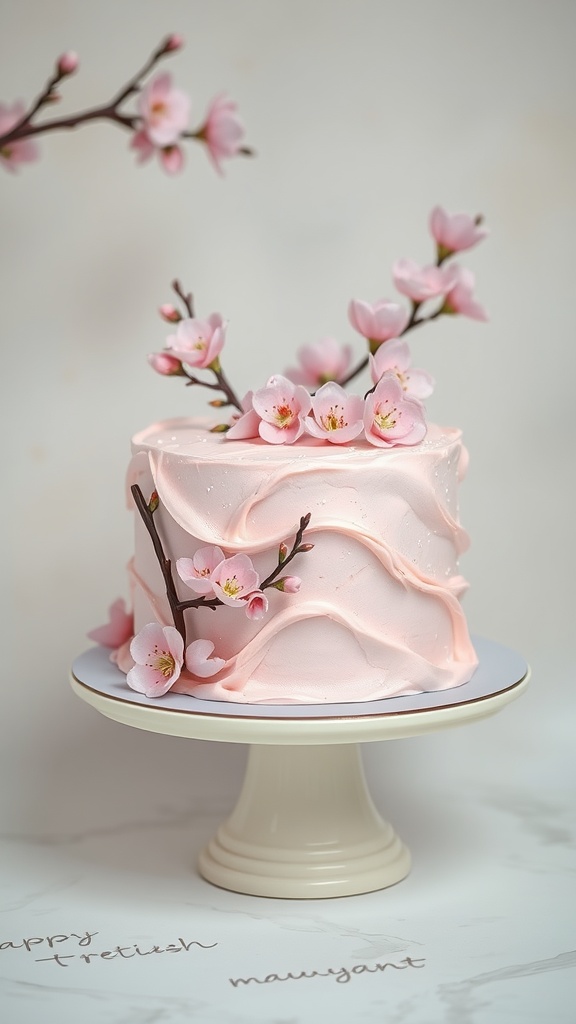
x=198, y=342
x=165, y=364
x=234, y=580
x=21, y=151
x=199, y=661
x=118, y=629
x=395, y=356
x=282, y=407
x=460, y=298
x=257, y=605
x=321, y=362
x=289, y=584
x=391, y=417
x=244, y=425
x=196, y=572
x=222, y=131
x=377, y=322
x=454, y=232
x=420, y=283
x=336, y=416
x=164, y=111
x=158, y=653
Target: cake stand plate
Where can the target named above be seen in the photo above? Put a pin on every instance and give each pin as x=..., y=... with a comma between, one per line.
x=304, y=826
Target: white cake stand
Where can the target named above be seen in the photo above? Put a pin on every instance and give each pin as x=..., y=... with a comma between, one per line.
x=304, y=826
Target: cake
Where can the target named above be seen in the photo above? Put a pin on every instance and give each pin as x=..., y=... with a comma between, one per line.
x=355, y=494
x=378, y=610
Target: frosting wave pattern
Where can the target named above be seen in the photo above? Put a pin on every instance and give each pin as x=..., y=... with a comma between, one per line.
x=378, y=613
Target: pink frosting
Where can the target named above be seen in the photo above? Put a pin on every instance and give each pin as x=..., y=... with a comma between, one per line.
x=378, y=612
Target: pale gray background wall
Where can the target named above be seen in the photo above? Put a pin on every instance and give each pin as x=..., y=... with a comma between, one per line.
x=364, y=115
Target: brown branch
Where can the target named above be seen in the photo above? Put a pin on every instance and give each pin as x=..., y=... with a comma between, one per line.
x=165, y=563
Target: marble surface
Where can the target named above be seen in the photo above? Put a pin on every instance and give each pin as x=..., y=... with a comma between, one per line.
x=105, y=919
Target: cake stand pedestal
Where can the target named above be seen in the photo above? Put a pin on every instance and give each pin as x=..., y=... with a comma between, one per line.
x=304, y=826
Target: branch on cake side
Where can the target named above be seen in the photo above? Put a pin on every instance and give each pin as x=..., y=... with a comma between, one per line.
x=146, y=510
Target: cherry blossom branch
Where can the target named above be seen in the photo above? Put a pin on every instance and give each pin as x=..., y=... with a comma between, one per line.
x=146, y=510
x=413, y=322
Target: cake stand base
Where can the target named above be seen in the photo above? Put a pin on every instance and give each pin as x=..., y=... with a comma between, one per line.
x=304, y=826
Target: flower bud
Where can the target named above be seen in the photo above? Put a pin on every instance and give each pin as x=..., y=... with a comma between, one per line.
x=220, y=428
x=217, y=403
x=173, y=42
x=154, y=502
x=165, y=364
x=169, y=313
x=305, y=547
x=288, y=584
x=67, y=63
x=282, y=552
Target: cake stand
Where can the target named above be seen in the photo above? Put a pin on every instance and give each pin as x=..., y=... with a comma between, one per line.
x=304, y=826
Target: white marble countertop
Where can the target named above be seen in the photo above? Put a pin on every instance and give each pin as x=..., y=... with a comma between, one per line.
x=105, y=919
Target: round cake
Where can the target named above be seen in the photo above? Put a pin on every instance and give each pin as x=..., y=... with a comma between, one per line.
x=377, y=609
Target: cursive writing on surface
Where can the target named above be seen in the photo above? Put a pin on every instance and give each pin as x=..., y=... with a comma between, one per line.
x=60, y=958
x=342, y=974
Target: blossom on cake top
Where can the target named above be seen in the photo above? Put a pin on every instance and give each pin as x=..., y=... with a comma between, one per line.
x=198, y=342
x=460, y=298
x=222, y=131
x=282, y=407
x=391, y=417
x=395, y=355
x=455, y=232
x=118, y=629
x=420, y=283
x=336, y=416
x=321, y=362
x=378, y=321
x=17, y=151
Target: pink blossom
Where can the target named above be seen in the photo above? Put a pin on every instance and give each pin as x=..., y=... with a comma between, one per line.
x=198, y=660
x=122, y=657
x=391, y=417
x=337, y=416
x=158, y=653
x=257, y=605
x=244, y=424
x=321, y=362
x=20, y=151
x=165, y=364
x=420, y=283
x=118, y=629
x=174, y=42
x=169, y=313
x=395, y=355
x=198, y=342
x=67, y=63
x=377, y=322
x=222, y=130
x=455, y=232
x=164, y=111
x=460, y=298
x=234, y=580
x=289, y=584
x=282, y=407
x=171, y=157
x=196, y=572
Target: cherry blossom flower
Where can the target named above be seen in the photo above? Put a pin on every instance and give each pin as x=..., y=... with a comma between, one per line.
x=198, y=660
x=420, y=283
x=164, y=111
x=454, y=232
x=395, y=355
x=244, y=425
x=256, y=605
x=118, y=629
x=158, y=653
x=222, y=130
x=282, y=407
x=460, y=298
x=391, y=417
x=234, y=580
x=288, y=584
x=337, y=416
x=377, y=322
x=171, y=157
x=321, y=362
x=198, y=342
x=196, y=572
x=165, y=364
x=20, y=151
